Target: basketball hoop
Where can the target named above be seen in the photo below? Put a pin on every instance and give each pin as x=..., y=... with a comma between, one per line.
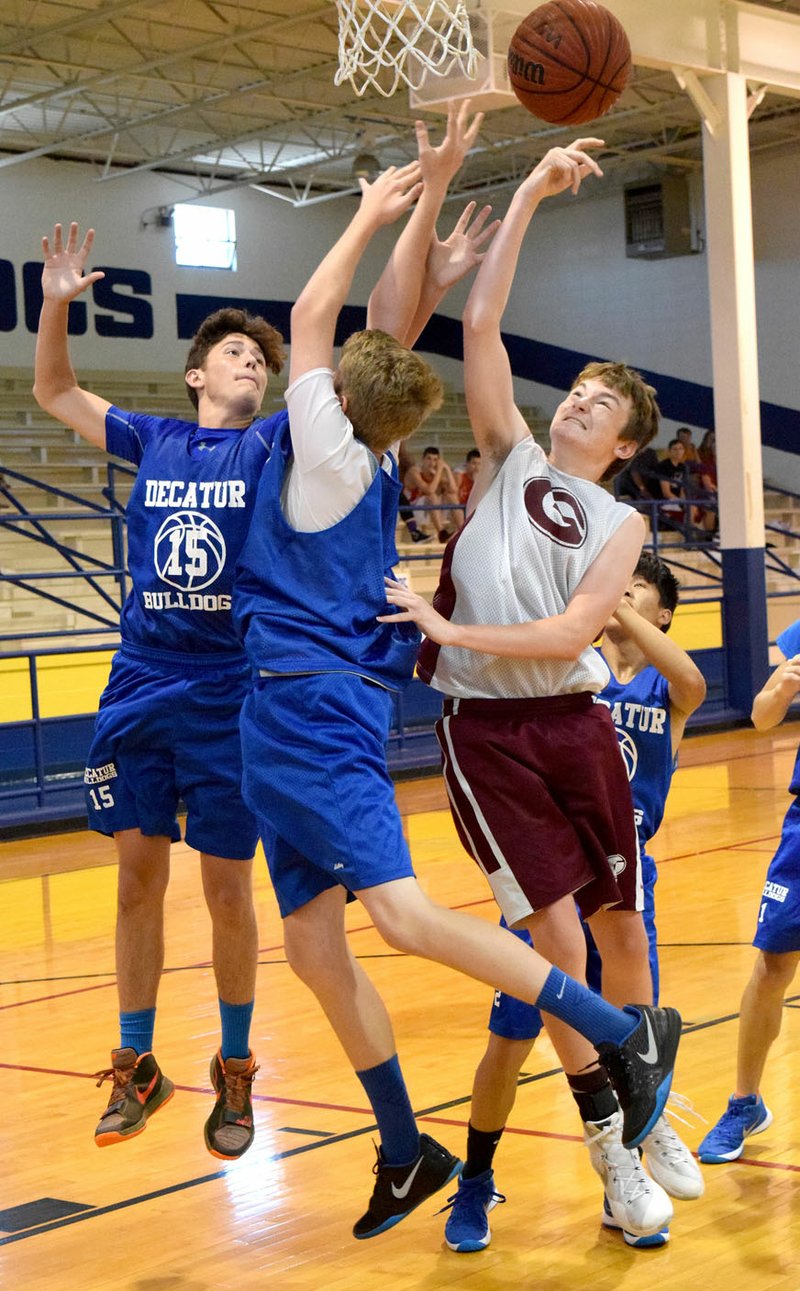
x=384, y=42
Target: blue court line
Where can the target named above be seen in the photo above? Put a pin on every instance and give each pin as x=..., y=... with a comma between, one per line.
x=689, y=1029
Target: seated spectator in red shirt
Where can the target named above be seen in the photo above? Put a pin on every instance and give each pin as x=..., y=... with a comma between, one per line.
x=466, y=478
x=433, y=481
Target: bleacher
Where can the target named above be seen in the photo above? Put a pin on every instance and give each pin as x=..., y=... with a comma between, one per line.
x=35, y=445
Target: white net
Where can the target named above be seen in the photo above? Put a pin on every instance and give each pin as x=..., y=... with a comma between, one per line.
x=384, y=42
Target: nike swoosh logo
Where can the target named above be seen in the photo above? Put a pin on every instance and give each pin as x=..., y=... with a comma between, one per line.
x=400, y=1193
x=144, y=1094
x=560, y=995
x=651, y=1053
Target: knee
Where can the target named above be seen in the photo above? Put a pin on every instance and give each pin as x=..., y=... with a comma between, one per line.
x=230, y=902
x=139, y=888
x=773, y=972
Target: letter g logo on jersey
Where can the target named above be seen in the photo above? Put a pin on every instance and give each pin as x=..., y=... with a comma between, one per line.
x=189, y=551
x=555, y=512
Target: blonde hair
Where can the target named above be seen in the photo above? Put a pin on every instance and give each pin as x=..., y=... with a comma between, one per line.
x=389, y=389
x=643, y=422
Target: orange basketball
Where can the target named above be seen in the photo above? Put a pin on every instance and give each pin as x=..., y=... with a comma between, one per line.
x=569, y=61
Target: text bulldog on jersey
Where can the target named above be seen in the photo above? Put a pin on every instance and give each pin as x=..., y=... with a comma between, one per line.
x=189, y=550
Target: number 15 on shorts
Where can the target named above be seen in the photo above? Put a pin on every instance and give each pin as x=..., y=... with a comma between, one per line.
x=101, y=797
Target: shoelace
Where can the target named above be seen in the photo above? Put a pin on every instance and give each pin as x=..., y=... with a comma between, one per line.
x=629, y=1173
x=237, y=1086
x=685, y=1104
x=121, y=1078
x=494, y=1196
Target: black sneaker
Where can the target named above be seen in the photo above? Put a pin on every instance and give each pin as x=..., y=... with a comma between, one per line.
x=399, y=1189
x=138, y=1089
x=641, y=1069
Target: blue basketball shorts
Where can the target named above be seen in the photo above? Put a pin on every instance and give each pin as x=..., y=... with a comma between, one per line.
x=778, y=926
x=513, y=1019
x=164, y=735
x=315, y=777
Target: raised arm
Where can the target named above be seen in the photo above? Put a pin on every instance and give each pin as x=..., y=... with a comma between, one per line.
x=563, y=636
x=450, y=260
x=395, y=301
x=317, y=308
x=56, y=388
x=687, y=687
x=772, y=702
x=497, y=423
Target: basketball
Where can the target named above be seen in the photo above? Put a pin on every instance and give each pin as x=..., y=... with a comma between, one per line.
x=569, y=61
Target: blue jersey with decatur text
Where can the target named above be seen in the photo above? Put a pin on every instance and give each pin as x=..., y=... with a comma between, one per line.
x=641, y=713
x=789, y=645
x=309, y=601
x=188, y=517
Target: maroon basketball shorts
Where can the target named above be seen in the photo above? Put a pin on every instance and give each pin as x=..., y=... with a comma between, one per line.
x=540, y=797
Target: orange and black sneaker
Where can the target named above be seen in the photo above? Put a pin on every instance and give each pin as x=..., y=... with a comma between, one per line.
x=139, y=1088
x=229, y=1129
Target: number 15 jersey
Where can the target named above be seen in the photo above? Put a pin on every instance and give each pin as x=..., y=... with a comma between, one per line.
x=188, y=516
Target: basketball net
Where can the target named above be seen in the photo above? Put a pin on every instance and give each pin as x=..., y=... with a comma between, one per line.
x=384, y=42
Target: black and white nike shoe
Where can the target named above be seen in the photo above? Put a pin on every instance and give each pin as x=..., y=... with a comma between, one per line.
x=399, y=1189
x=641, y=1069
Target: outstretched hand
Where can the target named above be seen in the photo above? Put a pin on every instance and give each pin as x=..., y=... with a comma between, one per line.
x=63, y=276
x=415, y=609
x=391, y=194
x=451, y=260
x=563, y=168
x=441, y=163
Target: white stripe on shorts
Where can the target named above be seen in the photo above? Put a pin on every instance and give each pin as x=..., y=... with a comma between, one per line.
x=507, y=892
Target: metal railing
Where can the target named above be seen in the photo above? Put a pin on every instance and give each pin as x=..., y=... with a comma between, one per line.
x=38, y=527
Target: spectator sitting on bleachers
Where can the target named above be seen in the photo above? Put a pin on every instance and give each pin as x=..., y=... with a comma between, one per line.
x=707, y=518
x=673, y=484
x=433, y=481
x=690, y=450
x=466, y=478
x=640, y=480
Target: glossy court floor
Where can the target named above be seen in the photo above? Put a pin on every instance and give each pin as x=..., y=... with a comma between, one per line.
x=160, y=1214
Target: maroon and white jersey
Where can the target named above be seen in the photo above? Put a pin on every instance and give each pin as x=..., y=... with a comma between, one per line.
x=520, y=557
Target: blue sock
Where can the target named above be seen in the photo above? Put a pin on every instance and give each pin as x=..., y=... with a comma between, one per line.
x=235, y=1019
x=586, y=1012
x=136, y=1030
x=386, y=1090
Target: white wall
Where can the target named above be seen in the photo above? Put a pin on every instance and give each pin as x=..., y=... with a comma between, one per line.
x=575, y=288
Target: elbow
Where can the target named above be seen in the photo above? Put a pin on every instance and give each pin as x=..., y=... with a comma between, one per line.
x=478, y=320
x=43, y=396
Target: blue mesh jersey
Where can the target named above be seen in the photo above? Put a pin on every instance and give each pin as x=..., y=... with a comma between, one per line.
x=641, y=712
x=188, y=517
x=308, y=602
x=789, y=645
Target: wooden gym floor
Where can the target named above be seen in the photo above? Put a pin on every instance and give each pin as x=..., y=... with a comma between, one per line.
x=160, y=1214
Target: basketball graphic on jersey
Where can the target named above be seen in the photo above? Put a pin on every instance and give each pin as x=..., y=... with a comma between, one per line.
x=189, y=551
x=555, y=512
x=629, y=751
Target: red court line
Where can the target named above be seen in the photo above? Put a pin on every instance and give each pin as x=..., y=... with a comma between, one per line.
x=366, y=1111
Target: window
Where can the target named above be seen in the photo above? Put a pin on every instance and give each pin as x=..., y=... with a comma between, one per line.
x=204, y=236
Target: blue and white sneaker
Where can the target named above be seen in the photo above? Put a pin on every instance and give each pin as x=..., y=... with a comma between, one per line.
x=741, y=1118
x=467, y=1228
x=649, y=1243
x=634, y=1201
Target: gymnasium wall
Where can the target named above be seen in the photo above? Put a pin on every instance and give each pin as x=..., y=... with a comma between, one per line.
x=576, y=294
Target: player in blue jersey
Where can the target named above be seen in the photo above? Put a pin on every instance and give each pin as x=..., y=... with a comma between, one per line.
x=310, y=598
x=653, y=688
x=167, y=728
x=777, y=938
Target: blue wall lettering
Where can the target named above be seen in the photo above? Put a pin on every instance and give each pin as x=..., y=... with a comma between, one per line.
x=139, y=322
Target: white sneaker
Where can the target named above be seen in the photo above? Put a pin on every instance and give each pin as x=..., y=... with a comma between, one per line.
x=671, y=1163
x=638, y=1204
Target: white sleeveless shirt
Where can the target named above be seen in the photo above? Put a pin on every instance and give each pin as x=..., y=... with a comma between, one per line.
x=522, y=553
